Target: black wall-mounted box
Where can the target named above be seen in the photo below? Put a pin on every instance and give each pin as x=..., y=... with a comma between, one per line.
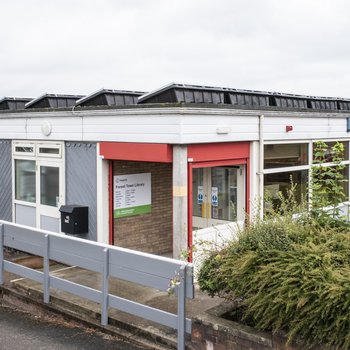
x=74, y=219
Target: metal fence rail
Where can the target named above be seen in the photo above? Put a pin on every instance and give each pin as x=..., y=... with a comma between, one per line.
x=141, y=268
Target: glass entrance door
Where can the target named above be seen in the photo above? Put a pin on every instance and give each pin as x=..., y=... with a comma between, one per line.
x=49, y=195
x=218, y=195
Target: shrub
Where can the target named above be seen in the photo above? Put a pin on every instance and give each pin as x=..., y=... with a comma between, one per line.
x=289, y=278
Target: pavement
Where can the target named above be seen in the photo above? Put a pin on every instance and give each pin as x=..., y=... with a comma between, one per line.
x=139, y=331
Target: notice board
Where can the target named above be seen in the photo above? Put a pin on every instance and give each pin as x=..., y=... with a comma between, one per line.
x=132, y=194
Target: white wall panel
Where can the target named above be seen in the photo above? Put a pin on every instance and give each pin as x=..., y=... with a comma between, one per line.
x=199, y=128
x=133, y=128
x=68, y=129
x=304, y=128
x=12, y=128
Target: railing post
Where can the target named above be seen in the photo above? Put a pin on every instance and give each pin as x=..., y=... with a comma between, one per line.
x=181, y=309
x=1, y=253
x=46, y=268
x=105, y=274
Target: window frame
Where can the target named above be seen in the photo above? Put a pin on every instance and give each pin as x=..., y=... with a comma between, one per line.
x=36, y=158
x=310, y=160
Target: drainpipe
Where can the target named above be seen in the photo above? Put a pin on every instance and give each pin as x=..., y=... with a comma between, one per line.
x=261, y=165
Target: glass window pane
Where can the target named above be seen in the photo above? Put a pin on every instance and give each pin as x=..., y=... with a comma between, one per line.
x=328, y=155
x=224, y=192
x=197, y=192
x=45, y=150
x=25, y=180
x=285, y=155
x=24, y=149
x=49, y=185
x=281, y=182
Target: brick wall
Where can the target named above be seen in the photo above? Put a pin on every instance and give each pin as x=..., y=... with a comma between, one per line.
x=212, y=332
x=151, y=233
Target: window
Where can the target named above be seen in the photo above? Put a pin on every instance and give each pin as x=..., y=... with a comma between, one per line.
x=328, y=154
x=294, y=159
x=49, y=150
x=26, y=149
x=49, y=185
x=285, y=155
x=282, y=182
x=25, y=180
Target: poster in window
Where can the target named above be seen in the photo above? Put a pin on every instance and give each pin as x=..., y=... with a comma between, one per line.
x=214, y=197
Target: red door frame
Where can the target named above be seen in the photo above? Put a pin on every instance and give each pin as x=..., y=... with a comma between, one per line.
x=111, y=213
x=192, y=166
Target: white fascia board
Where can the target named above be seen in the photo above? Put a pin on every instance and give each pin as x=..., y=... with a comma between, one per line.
x=187, y=124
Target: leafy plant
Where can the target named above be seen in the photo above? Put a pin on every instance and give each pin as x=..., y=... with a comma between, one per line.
x=326, y=187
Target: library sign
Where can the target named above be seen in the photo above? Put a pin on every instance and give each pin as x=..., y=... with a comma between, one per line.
x=132, y=194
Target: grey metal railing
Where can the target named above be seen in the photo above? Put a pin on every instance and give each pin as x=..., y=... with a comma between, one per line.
x=141, y=268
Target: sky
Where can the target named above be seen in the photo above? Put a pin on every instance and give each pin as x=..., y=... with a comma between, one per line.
x=78, y=47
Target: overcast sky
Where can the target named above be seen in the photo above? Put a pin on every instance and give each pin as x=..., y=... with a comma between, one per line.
x=80, y=46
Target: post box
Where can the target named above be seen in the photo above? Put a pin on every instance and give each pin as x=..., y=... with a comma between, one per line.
x=74, y=219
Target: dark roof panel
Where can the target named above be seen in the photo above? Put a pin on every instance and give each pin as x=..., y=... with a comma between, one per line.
x=106, y=97
x=343, y=104
x=13, y=103
x=328, y=103
x=289, y=100
x=53, y=101
x=248, y=98
x=183, y=93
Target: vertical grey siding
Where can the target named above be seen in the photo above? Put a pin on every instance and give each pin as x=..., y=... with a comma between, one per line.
x=81, y=180
x=5, y=180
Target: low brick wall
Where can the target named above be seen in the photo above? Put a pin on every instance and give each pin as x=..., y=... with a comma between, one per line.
x=212, y=332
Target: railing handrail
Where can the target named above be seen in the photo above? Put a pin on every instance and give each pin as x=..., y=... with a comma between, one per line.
x=137, y=267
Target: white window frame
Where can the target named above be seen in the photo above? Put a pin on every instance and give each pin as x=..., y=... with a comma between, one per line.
x=48, y=159
x=310, y=158
x=16, y=144
x=57, y=146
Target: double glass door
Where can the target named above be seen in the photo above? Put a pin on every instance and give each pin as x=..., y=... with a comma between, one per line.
x=218, y=195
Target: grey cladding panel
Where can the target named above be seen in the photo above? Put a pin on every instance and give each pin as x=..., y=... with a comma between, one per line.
x=5, y=181
x=81, y=181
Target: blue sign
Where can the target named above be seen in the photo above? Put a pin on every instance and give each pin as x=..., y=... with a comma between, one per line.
x=214, y=197
x=200, y=195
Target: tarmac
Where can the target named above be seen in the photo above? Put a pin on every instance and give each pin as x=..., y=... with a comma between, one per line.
x=134, y=329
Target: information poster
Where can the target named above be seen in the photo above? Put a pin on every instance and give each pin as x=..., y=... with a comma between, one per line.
x=200, y=195
x=214, y=197
x=132, y=195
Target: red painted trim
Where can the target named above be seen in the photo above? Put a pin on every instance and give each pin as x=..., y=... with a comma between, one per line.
x=219, y=163
x=143, y=152
x=190, y=211
x=212, y=155
x=218, y=151
x=111, y=216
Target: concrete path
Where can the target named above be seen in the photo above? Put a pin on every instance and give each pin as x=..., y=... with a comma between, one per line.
x=20, y=331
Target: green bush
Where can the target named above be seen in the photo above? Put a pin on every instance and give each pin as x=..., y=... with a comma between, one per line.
x=289, y=278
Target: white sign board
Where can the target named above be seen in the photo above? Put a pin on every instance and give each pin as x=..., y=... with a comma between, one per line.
x=132, y=194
